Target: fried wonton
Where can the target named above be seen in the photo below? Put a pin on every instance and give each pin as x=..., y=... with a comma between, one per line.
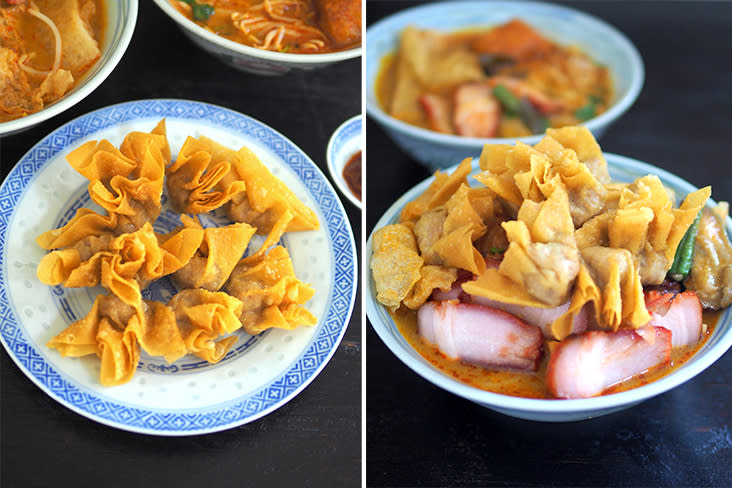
x=124, y=264
x=213, y=262
x=194, y=179
x=437, y=193
x=203, y=318
x=271, y=294
x=127, y=182
x=541, y=262
x=115, y=331
x=267, y=199
x=522, y=172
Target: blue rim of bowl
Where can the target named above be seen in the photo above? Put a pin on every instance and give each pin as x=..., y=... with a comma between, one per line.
x=120, y=39
x=347, y=130
x=178, y=422
x=621, y=168
x=613, y=113
x=196, y=29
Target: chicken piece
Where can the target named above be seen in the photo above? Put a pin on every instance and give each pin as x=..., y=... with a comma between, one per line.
x=480, y=335
x=681, y=313
x=437, y=109
x=586, y=365
x=711, y=270
x=341, y=20
x=477, y=113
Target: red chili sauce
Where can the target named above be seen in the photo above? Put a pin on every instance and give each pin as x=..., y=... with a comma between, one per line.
x=352, y=174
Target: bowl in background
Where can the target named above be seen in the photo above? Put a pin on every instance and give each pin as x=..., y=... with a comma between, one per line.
x=251, y=59
x=602, y=42
x=121, y=16
x=549, y=410
x=342, y=146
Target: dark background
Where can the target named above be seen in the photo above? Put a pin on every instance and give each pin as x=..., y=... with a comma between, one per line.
x=419, y=435
x=315, y=439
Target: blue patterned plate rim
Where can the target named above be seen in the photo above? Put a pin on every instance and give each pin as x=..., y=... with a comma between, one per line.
x=240, y=410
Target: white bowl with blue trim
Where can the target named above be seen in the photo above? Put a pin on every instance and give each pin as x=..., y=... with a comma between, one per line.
x=342, y=146
x=251, y=59
x=549, y=410
x=602, y=42
x=121, y=16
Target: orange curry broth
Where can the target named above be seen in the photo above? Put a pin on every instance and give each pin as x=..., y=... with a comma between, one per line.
x=220, y=22
x=529, y=385
x=385, y=83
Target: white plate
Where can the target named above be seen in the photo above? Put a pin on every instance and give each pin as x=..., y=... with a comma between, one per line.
x=621, y=169
x=344, y=144
x=191, y=396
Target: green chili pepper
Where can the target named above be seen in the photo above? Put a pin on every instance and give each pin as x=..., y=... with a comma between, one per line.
x=589, y=110
x=201, y=11
x=508, y=100
x=685, y=252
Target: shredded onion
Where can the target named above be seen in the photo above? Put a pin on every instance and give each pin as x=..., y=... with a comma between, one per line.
x=33, y=10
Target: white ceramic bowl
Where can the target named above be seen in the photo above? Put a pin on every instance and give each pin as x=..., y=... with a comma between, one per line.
x=344, y=144
x=598, y=39
x=621, y=169
x=250, y=59
x=121, y=19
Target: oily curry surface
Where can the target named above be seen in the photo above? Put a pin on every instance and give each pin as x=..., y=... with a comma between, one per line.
x=529, y=385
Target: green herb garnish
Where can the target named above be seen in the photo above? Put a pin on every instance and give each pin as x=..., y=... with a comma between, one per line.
x=497, y=250
x=201, y=11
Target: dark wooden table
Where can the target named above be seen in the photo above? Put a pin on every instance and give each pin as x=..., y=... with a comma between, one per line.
x=419, y=435
x=315, y=439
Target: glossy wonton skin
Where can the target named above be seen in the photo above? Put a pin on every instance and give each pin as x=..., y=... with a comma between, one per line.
x=213, y=262
x=126, y=182
x=267, y=200
x=123, y=264
x=271, y=294
x=194, y=180
x=115, y=331
x=203, y=318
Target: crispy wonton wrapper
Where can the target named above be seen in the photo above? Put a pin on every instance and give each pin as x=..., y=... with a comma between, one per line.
x=115, y=331
x=194, y=179
x=541, y=262
x=220, y=250
x=267, y=199
x=271, y=294
x=127, y=262
x=203, y=317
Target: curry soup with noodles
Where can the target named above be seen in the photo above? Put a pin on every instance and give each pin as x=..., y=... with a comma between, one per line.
x=46, y=47
x=288, y=26
x=507, y=81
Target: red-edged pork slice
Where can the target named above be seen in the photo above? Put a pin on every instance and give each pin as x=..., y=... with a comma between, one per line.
x=587, y=364
x=681, y=313
x=480, y=335
x=477, y=113
x=437, y=109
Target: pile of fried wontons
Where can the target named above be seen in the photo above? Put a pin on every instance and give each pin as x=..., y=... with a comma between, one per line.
x=565, y=233
x=220, y=292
